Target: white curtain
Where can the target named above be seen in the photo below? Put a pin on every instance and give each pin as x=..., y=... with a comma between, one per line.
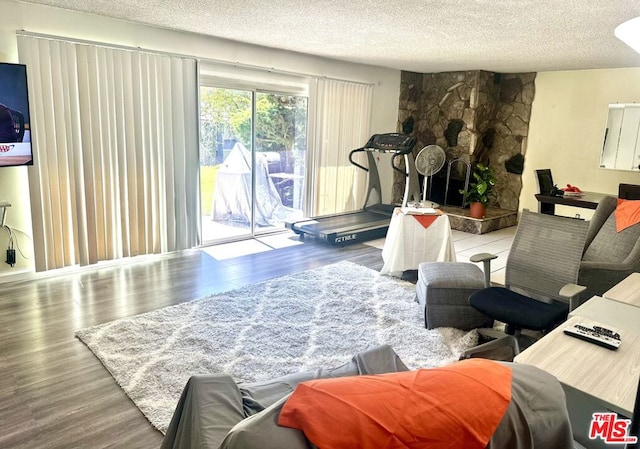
x=116, y=152
x=343, y=123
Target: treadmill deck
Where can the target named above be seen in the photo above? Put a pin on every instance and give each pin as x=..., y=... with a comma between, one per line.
x=341, y=229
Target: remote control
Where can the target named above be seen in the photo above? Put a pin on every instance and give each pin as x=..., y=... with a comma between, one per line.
x=595, y=334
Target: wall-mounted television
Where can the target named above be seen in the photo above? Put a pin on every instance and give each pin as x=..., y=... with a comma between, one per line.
x=15, y=121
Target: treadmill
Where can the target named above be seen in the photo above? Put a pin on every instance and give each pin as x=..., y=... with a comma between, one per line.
x=372, y=221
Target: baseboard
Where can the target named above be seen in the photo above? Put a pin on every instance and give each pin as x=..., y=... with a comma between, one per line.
x=17, y=275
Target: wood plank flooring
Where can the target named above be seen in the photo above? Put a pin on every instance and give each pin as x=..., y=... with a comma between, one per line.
x=54, y=393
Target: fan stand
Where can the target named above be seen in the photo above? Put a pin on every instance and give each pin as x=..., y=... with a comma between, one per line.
x=426, y=189
x=429, y=161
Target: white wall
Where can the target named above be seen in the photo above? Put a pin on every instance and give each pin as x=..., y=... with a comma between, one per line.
x=566, y=132
x=58, y=22
x=566, y=129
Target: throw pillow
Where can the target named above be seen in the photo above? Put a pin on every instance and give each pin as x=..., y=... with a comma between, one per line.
x=459, y=405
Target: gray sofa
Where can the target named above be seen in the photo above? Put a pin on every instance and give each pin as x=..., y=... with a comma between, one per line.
x=215, y=412
x=609, y=256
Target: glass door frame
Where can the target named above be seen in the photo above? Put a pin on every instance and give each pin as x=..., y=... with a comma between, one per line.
x=294, y=89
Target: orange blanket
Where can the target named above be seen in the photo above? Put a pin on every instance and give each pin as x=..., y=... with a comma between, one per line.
x=456, y=406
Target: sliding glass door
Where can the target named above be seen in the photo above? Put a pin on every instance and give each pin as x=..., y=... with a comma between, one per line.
x=252, y=161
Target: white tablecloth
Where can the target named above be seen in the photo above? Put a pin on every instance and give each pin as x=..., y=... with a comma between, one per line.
x=408, y=243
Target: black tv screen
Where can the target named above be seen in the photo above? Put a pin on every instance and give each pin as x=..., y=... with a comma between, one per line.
x=15, y=121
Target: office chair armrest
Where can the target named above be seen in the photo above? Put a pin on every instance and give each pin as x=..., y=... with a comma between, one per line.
x=481, y=257
x=571, y=292
x=486, y=259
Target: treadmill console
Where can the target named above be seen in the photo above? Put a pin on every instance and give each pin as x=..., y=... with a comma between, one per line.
x=391, y=142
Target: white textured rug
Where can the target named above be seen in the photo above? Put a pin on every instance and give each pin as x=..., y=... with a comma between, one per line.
x=315, y=318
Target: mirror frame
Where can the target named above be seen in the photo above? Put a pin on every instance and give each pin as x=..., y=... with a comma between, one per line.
x=621, y=146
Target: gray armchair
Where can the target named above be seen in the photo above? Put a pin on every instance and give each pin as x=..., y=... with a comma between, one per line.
x=609, y=256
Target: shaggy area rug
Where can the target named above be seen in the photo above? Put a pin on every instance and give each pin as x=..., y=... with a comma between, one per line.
x=315, y=318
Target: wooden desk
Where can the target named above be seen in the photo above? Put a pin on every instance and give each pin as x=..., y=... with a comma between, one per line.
x=547, y=203
x=627, y=291
x=608, y=376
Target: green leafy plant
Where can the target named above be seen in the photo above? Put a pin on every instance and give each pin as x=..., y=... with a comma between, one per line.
x=481, y=188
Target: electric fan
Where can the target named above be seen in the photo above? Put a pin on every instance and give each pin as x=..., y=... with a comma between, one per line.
x=429, y=161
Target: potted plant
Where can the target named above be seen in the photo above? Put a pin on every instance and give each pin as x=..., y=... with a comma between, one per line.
x=477, y=195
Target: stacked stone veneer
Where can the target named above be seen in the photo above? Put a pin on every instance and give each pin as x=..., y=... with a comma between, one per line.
x=477, y=116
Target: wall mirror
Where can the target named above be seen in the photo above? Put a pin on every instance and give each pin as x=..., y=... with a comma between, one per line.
x=621, y=148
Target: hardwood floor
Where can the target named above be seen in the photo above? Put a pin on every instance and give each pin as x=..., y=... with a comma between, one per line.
x=54, y=393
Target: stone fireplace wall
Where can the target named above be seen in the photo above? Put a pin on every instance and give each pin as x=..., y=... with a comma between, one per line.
x=476, y=116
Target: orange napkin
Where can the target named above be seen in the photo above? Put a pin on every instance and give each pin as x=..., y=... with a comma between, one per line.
x=425, y=220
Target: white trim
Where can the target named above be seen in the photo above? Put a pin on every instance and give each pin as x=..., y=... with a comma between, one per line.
x=203, y=61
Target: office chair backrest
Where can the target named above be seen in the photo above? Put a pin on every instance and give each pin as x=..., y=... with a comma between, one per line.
x=545, y=254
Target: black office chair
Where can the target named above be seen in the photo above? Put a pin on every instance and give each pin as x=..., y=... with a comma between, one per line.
x=540, y=279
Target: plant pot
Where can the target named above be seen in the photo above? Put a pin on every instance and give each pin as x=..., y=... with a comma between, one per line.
x=477, y=210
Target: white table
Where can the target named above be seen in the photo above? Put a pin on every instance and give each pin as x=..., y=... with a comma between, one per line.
x=615, y=314
x=410, y=242
x=609, y=376
x=595, y=379
x=627, y=291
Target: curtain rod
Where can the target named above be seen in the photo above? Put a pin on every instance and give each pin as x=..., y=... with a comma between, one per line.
x=99, y=44
x=235, y=64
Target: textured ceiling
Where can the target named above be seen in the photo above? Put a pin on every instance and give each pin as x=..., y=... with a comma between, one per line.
x=416, y=35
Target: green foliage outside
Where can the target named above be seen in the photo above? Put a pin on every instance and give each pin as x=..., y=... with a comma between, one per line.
x=281, y=123
x=225, y=118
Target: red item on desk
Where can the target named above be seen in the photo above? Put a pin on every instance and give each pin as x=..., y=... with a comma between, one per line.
x=425, y=220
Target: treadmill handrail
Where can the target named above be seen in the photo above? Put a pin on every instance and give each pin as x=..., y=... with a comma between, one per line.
x=370, y=146
x=398, y=169
x=354, y=162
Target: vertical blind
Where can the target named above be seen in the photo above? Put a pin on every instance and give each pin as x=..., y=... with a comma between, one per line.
x=343, y=124
x=116, y=152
